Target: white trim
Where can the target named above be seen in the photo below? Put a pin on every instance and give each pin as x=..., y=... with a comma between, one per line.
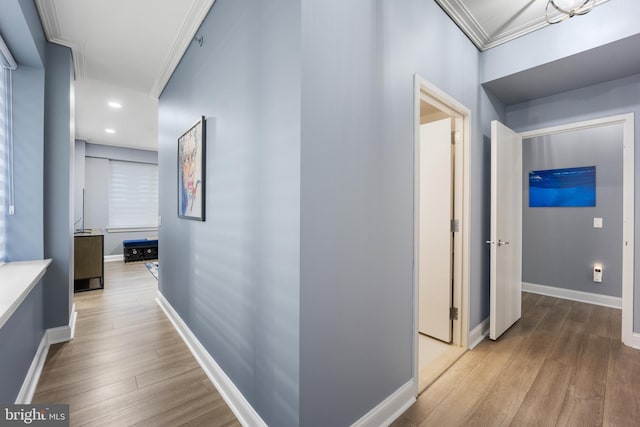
x=571, y=127
x=50, y=336
x=634, y=341
x=628, y=210
x=51, y=25
x=425, y=90
x=33, y=374
x=478, y=333
x=112, y=258
x=18, y=280
x=59, y=334
x=132, y=229
x=464, y=18
x=573, y=295
x=72, y=321
x=196, y=15
x=391, y=408
x=227, y=389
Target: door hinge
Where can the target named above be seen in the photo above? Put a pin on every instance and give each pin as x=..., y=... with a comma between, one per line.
x=455, y=226
x=453, y=313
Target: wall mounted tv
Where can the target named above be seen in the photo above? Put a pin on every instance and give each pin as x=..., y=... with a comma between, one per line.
x=569, y=187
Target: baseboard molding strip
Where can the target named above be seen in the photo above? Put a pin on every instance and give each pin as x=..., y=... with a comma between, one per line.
x=227, y=389
x=72, y=321
x=634, y=342
x=50, y=336
x=570, y=294
x=478, y=333
x=113, y=258
x=30, y=382
x=59, y=334
x=391, y=408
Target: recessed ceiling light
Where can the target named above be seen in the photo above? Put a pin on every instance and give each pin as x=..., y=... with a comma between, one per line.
x=114, y=104
x=109, y=130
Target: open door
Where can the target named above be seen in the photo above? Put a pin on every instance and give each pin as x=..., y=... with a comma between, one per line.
x=436, y=239
x=506, y=229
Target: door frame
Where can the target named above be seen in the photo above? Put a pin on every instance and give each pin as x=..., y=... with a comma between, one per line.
x=629, y=338
x=424, y=90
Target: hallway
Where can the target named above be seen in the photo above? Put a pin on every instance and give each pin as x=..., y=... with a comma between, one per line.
x=127, y=365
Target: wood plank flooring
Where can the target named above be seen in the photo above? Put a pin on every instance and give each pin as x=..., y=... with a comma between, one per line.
x=562, y=364
x=127, y=365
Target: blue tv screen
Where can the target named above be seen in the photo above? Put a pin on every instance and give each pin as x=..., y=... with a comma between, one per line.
x=569, y=187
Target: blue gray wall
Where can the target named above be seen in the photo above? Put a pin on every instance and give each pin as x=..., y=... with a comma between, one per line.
x=21, y=335
x=234, y=279
x=19, y=339
x=356, y=307
x=79, y=184
x=95, y=181
x=611, y=98
x=42, y=147
x=560, y=245
x=58, y=183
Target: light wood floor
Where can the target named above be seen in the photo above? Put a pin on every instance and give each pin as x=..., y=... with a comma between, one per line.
x=562, y=364
x=434, y=357
x=127, y=365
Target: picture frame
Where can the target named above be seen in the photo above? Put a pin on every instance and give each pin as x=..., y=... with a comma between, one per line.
x=192, y=172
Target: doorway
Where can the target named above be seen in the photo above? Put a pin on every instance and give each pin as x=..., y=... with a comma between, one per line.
x=441, y=212
x=629, y=337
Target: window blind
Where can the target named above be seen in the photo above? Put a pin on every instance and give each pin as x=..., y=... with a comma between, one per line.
x=133, y=194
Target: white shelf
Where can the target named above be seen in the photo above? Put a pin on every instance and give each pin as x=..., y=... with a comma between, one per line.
x=17, y=279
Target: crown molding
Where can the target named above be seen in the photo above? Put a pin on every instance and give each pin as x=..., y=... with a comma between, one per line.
x=462, y=16
x=51, y=25
x=188, y=29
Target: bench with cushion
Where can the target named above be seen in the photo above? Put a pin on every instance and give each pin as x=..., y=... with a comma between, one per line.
x=139, y=250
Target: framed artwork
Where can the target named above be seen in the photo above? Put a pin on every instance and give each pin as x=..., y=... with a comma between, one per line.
x=191, y=172
x=568, y=187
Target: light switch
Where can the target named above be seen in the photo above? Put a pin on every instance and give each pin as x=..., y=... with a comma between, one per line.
x=597, y=222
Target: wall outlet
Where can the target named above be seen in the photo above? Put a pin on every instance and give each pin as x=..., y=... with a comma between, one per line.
x=597, y=273
x=597, y=222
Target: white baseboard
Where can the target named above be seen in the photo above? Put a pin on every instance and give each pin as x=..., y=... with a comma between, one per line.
x=587, y=297
x=634, y=341
x=72, y=321
x=478, y=333
x=59, y=334
x=33, y=374
x=227, y=389
x=112, y=258
x=391, y=408
x=50, y=336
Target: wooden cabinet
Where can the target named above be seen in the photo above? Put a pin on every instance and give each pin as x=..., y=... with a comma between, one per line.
x=88, y=261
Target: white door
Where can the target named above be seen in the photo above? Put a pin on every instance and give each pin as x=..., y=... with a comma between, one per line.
x=435, y=245
x=506, y=229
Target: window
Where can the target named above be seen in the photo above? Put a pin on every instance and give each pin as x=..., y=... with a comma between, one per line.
x=133, y=195
x=4, y=124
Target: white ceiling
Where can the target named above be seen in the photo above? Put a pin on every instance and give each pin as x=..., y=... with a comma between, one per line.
x=124, y=51
x=489, y=23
